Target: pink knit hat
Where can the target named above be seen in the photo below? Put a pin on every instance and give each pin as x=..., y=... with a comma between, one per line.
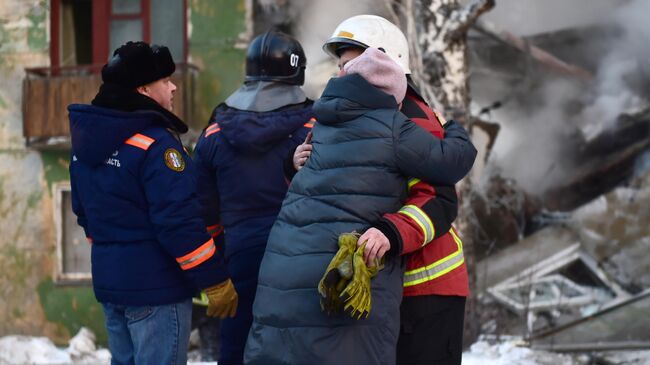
x=380, y=71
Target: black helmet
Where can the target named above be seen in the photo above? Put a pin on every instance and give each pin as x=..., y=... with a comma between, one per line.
x=275, y=56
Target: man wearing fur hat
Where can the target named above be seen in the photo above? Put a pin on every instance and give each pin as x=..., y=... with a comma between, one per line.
x=133, y=194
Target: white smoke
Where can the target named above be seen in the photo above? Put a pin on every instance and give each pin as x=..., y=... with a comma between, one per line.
x=534, y=142
x=617, y=88
x=537, y=138
x=529, y=17
x=531, y=146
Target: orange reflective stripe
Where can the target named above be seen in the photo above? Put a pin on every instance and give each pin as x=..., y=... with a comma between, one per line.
x=207, y=134
x=198, y=256
x=140, y=141
x=212, y=129
x=215, y=230
x=311, y=122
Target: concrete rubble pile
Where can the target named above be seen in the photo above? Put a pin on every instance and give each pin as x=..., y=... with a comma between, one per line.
x=566, y=265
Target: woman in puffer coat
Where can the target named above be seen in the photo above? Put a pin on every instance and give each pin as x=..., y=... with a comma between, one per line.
x=363, y=151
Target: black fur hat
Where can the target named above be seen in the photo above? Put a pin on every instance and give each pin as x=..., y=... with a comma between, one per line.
x=136, y=63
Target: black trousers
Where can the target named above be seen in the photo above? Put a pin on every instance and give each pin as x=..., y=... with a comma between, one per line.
x=431, y=330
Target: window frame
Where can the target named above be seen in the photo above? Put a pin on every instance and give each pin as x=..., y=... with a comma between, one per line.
x=101, y=19
x=60, y=276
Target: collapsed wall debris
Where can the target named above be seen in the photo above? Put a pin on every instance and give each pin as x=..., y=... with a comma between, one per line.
x=582, y=284
x=620, y=326
x=603, y=162
x=504, y=214
x=566, y=267
x=566, y=159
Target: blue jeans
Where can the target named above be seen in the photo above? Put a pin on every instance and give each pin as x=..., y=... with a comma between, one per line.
x=149, y=335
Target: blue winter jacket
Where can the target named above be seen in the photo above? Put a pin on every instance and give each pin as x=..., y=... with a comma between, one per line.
x=239, y=165
x=134, y=195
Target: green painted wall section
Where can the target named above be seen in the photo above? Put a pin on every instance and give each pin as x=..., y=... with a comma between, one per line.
x=216, y=25
x=17, y=268
x=36, y=34
x=72, y=308
x=55, y=167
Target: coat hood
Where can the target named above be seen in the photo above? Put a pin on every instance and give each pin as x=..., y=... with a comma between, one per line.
x=348, y=97
x=98, y=132
x=252, y=132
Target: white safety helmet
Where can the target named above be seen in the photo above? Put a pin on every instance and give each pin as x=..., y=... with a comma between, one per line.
x=370, y=31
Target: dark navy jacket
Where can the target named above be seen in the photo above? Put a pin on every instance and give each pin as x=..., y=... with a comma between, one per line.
x=240, y=179
x=133, y=193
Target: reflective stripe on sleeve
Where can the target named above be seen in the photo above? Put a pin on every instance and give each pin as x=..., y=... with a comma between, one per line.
x=198, y=256
x=438, y=268
x=215, y=230
x=310, y=124
x=140, y=141
x=212, y=129
x=421, y=219
x=412, y=182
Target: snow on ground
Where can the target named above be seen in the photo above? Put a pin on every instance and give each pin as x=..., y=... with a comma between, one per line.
x=508, y=353
x=626, y=357
x=512, y=352
x=41, y=351
x=25, y=350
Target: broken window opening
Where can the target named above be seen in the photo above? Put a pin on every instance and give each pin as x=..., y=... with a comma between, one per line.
x=564, y=287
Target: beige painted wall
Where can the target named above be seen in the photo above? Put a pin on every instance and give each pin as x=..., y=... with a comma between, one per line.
x=26, y=232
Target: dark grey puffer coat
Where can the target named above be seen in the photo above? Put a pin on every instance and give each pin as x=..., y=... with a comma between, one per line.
x=364, y=149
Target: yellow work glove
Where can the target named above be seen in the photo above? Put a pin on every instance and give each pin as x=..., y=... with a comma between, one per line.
x=357, y=294
x=338, y=274
x=222, y=300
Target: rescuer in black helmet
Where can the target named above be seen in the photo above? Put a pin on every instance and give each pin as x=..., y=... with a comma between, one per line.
x=243, y=148
x=275, y=56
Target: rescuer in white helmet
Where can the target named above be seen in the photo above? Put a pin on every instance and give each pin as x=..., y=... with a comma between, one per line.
x=435, y=281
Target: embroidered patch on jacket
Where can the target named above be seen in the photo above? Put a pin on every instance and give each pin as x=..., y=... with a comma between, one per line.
x=174, y=160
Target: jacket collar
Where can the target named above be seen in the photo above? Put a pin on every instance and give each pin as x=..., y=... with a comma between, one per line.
x=348, y=97
x=115, y=97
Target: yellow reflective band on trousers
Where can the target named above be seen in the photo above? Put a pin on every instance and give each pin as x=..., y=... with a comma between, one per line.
x=421, y=219
x=438, y=268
